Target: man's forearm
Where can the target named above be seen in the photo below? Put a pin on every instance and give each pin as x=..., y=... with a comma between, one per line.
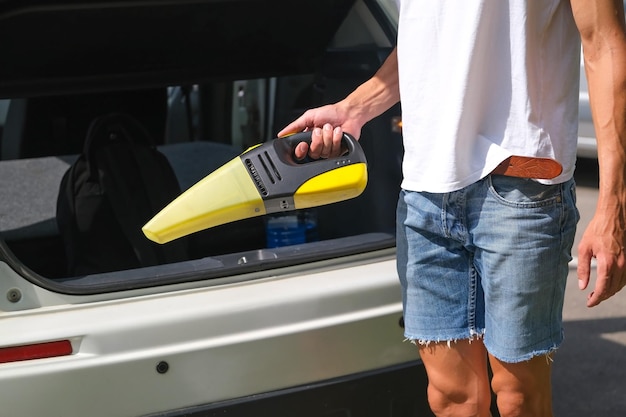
x=605, y=63
x=603, y=34
x=601, y=24
x=376, y=95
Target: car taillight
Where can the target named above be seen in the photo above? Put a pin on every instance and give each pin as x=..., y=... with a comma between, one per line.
x=35, y=351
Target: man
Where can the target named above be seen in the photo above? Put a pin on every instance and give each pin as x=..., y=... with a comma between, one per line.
x=486, y=217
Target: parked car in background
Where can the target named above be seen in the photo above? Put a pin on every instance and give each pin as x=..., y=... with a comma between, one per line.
x=587, y=146
x=236, y=328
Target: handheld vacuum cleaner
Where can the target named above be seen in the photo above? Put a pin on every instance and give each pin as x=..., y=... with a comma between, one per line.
x=265, y=179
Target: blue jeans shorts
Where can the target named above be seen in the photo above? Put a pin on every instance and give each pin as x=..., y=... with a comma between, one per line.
x=488, y=261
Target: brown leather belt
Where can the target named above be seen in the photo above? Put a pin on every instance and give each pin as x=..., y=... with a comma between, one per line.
x=529, y=167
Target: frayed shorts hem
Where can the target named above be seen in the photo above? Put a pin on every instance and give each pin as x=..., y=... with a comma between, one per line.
x=426, y=341
x=422, y=342
x=528, y=356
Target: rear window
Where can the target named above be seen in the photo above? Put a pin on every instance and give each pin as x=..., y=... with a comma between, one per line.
x=198, y=126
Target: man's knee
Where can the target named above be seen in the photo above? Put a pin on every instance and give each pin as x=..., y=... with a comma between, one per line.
x=457, y=377
x=456, y=403
x=521, y=403
x=523, y=389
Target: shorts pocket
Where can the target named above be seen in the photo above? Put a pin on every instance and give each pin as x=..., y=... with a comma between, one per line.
x=523, y=192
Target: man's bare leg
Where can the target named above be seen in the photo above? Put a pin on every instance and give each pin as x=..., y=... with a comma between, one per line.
x=458, y=381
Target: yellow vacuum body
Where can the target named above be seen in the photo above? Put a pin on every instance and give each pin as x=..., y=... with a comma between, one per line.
x=265, y=179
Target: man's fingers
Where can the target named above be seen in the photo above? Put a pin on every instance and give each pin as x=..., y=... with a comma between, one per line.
x=337, y=139
x=602, y=289
x=301, y=150
x=288, y=130
x=326, y=126
x=301, y=124
x=596, y=297
x=325, y=142
x=327, y=139
x=317, y=143
x=331, y=137
x=600, y=293
x=583, y=269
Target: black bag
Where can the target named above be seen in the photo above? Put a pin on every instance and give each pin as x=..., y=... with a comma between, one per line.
x=115, y=186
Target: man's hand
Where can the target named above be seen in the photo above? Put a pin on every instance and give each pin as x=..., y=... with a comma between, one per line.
x=327, y=124
x=602, y=240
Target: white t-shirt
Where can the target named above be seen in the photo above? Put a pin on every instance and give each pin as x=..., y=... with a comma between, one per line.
x=481, y=80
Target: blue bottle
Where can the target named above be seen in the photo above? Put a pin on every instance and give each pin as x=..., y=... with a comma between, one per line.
x=291, y=228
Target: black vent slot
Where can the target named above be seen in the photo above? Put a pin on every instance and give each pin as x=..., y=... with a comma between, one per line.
x=267, y=171
x=256, y=177
x=274, y=169
x=270, y=169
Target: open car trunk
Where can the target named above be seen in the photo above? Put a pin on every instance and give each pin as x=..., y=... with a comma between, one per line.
x=58, y=47
x=207, y=79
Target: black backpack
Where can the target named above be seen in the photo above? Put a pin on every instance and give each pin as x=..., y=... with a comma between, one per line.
x=115, y=186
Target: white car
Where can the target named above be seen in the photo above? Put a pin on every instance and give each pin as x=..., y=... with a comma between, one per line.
x=236, y=328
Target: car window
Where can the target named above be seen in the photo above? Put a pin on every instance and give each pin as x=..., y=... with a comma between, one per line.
x=390, y=8
x=199, y=127
x=4, y=107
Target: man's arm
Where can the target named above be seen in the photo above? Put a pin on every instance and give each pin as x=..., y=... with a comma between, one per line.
x=603, y=36
x=370, y=99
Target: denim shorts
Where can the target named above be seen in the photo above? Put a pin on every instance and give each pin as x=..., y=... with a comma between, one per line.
x=487, y=261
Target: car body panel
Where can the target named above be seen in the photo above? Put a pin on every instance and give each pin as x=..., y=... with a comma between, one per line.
x=384, y=392
x=312, y=323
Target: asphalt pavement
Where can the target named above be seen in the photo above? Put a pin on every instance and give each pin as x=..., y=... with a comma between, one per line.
x=589, y=378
